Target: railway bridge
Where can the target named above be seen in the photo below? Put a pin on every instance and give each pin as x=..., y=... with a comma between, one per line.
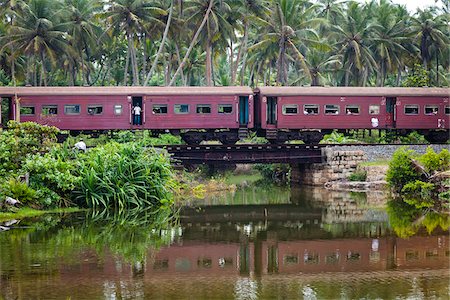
x=248, y=154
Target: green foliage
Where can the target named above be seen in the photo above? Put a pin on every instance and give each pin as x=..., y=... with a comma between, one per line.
x=123, y=176
x=359, y=175
x=435, y=162
x=402, y=217
x=18, y=190
x=4, y=79
x=420, y=194
x=419, y=77
x=401, y=170
x=21, y=140
x=337, y=138
x=275, y=173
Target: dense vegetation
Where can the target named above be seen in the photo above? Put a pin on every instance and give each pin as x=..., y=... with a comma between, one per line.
x=421, y=183
x=222, y=42
x=42, y=174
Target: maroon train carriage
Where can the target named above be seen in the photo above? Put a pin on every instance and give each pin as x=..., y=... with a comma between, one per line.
x=307, y=113
x=197, y=113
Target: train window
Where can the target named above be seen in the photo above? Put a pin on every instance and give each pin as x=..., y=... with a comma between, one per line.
x=118, y=109
x=203, y=109
x=352, y=109
x=431, y=110
x=72, y=109
x=290, y=109
x=95, y=109
x=181, y=108
x=447, y=110
x=331, y=109
x=411, y=109
x=311, y=109
x=159, y=109
x=49, y=110
x=374, y=109
x=27, y=110
x=290, y=259
x=225, y=108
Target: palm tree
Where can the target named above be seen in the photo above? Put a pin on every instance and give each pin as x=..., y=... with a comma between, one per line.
x=39, y=34
x=289, y=27
x=353, y=40
x=389, y=40
x=430, y=32
x=217, y=27
x=129, y=17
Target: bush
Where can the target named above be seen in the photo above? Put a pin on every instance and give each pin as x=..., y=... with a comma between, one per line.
x=419, y=193
x=401, y=170
x=358, y=176
x=124, y=176
x=21, y=140
x=435, y=162
x=18, y=190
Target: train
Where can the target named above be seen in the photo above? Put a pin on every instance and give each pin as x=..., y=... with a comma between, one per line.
x=231, y=113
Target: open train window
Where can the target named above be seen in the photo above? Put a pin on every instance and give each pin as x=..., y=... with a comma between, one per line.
x=203, y=109
x=447, y=110
x=49, y=110
x=431, y=110
x=374, y=109
x=290, y=109
x=95, y=109
x=352, y=109
x=27, y=111
x=290, y=259
x=331, y=109
x=72, y=109
x=118, y=109
x=159, y=109
x=411, y=109
x=225, y=108
x=311, y=109
x=181, y=108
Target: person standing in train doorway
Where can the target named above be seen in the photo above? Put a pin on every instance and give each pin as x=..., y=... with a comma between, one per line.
x=137, y=115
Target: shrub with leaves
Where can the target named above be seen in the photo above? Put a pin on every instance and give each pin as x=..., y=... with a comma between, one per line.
x=123, y=176
x=22, y=139
x=435, y=162
x=401, y=170
x=359, y=175
x=420, y=194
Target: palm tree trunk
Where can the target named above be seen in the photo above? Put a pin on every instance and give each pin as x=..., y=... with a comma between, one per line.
x=82, y=66
x=208, y=63
x=231, y=62
x=193, y=42
x=134, y=67
x=243, y=52
x=179, y=63
x=399, y=76
x=125, y=74
x=161, y=46
x=43, y=71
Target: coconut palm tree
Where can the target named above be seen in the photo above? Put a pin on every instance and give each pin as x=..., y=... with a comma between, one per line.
x=84, y=30
x=39, y=34
x=430, y=32
x=353, y=41
x=128, y=17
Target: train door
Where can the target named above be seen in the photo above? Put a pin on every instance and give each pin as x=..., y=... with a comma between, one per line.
x=271, y=112
x=137, y=114
x=6, y=109
x=243, y=111
x=390, y=112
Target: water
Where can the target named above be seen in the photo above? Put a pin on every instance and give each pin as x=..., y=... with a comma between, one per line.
x=270, y=243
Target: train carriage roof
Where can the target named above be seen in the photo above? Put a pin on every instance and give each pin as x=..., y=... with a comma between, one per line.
x=351, y=91
x=125, y=90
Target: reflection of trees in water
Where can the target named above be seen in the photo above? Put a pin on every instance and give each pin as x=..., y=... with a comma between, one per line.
x=130, y=236
x=406, y=219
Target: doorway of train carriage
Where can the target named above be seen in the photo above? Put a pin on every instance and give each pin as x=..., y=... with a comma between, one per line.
x=271, y=111
x=137, y=110
x=390, y=112
x=243, y=111
x=6, y=111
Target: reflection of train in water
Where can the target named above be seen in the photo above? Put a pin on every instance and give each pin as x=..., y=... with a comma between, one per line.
x=305, y=256
x=229, y=113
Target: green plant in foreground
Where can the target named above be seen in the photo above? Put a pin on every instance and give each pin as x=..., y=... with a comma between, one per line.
x=358, y=175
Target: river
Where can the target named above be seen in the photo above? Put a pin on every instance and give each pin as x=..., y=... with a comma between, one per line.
x=259, y=242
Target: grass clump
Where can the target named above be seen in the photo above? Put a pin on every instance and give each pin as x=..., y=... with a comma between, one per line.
x=358, y=175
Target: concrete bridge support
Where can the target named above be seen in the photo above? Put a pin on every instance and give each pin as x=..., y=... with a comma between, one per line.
x=339, y=164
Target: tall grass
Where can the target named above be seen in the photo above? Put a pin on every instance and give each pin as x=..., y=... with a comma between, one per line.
x=124, y=176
